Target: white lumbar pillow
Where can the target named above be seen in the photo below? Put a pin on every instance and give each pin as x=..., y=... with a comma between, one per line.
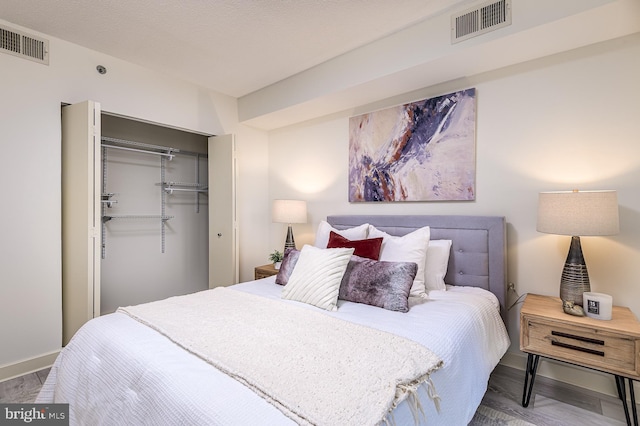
x=324, y=229
x=436, y=265
x=317, y=275
x=408, y=248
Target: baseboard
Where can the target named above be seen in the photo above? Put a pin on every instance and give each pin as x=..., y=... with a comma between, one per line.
x=572, y=374
x=11, y=371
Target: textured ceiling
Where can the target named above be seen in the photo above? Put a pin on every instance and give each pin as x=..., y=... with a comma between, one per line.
x=232, y=46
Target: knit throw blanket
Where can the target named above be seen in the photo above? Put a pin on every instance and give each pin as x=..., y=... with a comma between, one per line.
x=315, y=368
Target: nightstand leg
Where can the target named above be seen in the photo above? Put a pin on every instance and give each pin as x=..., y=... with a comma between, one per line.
x=532, y=367
x=622, y=393
x=634, y=409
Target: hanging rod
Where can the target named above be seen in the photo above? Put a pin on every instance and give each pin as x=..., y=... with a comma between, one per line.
x=136, y=216
x=192, y=184
x=170, y=154
x=170, y=187
x=171, y=190
x=140, y=147
x=148, y=148
x=139, y=144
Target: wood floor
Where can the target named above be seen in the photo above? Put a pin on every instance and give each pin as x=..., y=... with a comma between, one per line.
x=23, y=389
x=553, y=403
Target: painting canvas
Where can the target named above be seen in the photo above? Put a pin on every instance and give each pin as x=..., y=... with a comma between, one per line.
x=421, y=151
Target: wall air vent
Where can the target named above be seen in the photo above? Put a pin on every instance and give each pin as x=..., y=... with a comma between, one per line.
x=479, y=20
x=24, y=45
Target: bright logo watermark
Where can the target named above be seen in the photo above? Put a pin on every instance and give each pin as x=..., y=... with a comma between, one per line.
x=34, y=414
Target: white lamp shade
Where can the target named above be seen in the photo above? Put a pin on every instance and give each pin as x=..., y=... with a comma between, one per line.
x=578, y=213
x=289, y=211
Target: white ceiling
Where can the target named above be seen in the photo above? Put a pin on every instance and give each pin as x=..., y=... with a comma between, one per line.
x=288, y=61
x=234, y=47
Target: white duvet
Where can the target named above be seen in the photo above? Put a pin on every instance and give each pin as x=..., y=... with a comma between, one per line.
x=118, y=371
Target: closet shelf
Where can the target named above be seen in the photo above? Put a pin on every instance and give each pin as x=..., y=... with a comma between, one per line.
x=170, y=187
x=106, y=199
x=195, y=185
x=107, y=218
x=171, y=190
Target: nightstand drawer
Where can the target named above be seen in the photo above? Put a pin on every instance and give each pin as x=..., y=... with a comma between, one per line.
x=260, y=275
x=582, y=345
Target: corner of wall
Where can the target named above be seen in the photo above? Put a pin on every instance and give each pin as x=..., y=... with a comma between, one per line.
x=31, y=365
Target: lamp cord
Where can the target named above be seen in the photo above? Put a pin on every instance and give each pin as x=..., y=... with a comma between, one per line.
x=512, y=288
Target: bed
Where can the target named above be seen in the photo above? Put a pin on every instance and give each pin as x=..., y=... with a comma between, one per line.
x=119, y=369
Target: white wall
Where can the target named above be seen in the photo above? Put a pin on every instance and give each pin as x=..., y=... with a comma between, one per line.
x=30, y=254
x=252, y=202
x=562, y=122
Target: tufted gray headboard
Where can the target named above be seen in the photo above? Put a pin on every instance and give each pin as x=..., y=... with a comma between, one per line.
x=478, y=252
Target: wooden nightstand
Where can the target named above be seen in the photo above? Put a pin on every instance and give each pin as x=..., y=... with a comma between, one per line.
x=610, y=346
x=265, y=271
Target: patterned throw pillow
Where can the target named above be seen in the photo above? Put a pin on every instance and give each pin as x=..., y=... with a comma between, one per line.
x=289, y=261
x=382, y=284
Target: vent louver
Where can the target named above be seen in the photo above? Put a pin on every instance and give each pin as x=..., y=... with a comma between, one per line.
x=480, y=20
x=24, y=45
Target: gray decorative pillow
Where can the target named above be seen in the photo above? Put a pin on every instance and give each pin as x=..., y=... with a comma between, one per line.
x=289, y=261
x=378, y=283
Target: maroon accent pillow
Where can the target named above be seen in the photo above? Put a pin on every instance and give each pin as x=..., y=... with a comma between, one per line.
x=289, y=261
x=369, y=248
x=378, y=283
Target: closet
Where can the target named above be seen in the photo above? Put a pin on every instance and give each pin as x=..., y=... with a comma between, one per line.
x=148, y=213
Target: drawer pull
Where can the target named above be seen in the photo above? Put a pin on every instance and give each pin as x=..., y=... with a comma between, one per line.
x=580, y=338
x=577, y=348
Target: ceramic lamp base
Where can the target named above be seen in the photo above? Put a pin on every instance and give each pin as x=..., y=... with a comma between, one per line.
x=290, y=242
x=575, y=278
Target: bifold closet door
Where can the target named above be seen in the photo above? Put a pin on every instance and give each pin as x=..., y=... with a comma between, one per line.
x=223, y=232
x=81, y=216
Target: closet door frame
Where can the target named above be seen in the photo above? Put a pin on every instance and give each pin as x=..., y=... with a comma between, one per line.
x=81, y=215
x=223, y=229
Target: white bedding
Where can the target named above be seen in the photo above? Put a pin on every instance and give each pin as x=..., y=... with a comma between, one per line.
x=118, y=371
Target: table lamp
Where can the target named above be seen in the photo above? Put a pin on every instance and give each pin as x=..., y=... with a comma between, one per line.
x=577, y=213
x=289, y=211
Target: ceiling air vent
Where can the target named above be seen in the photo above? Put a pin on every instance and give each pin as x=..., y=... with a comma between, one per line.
x=24, y=45
x=479, y=20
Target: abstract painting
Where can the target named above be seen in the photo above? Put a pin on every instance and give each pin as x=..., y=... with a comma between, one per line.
x=421, y=151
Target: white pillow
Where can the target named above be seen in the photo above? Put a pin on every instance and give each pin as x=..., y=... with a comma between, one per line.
x=436, y=265
x=324, y=229
x=408, y=248
x=317, y=275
